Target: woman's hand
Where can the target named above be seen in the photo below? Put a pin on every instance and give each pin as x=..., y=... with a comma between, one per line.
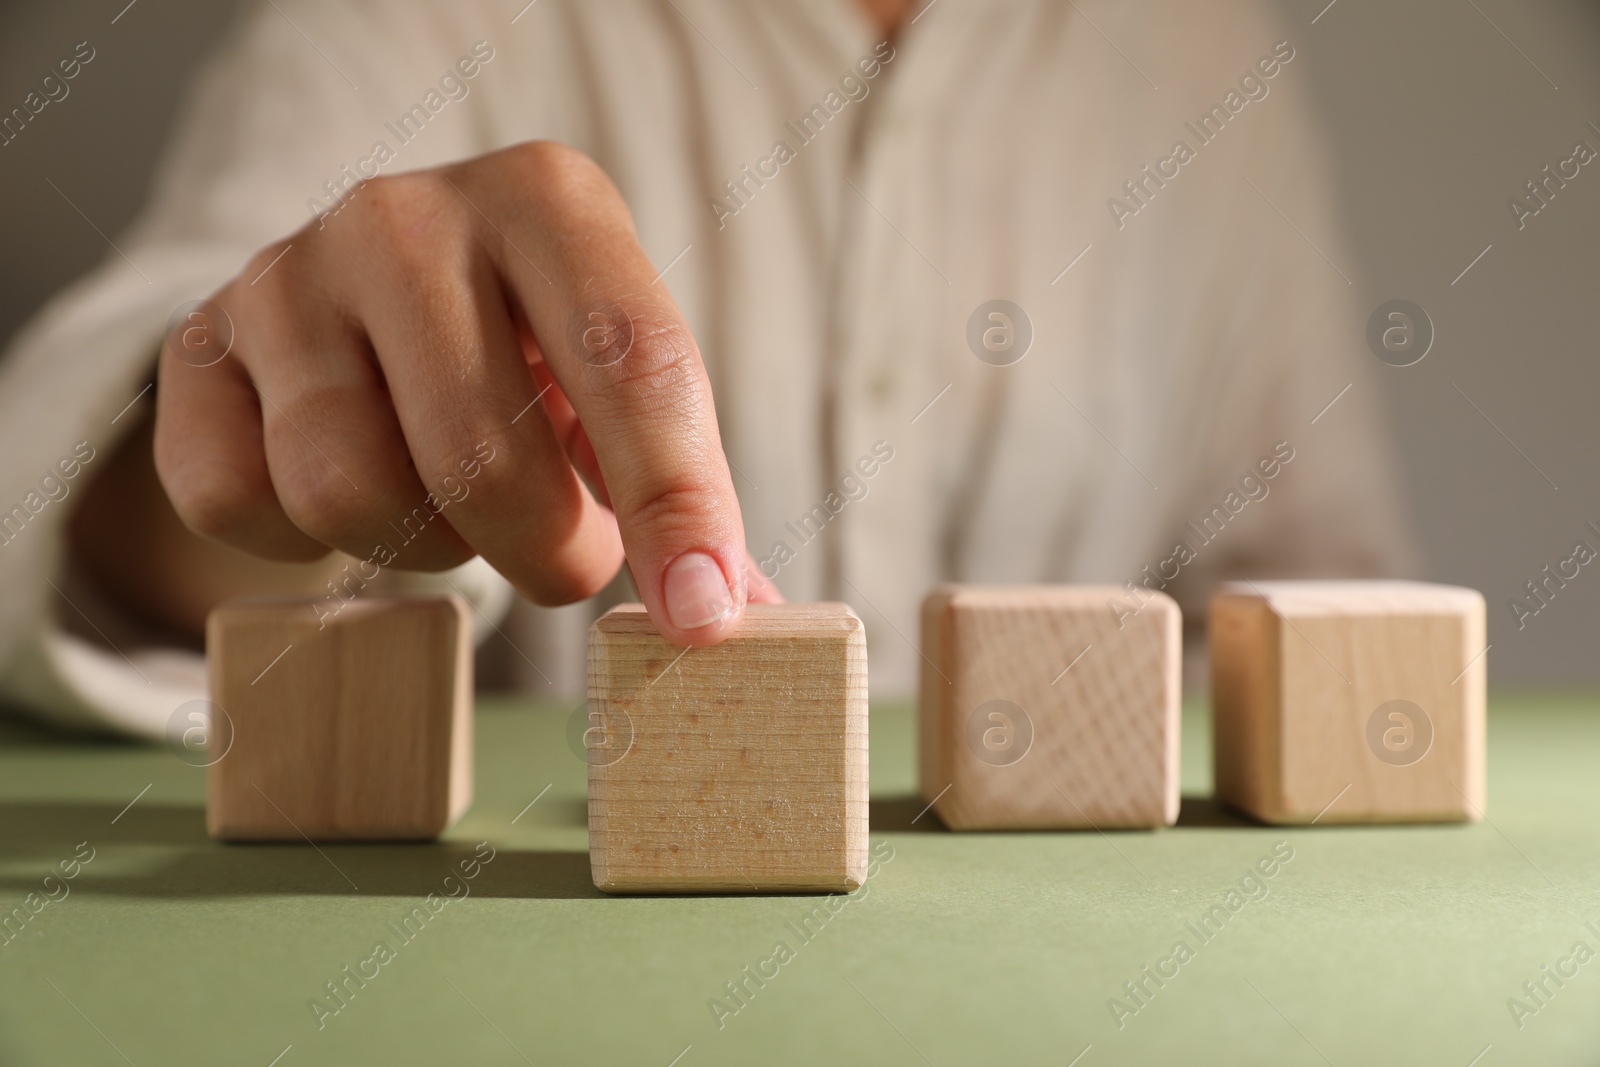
x=492, y=325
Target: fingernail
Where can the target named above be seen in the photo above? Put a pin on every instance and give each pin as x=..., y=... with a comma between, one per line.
x=696, y=591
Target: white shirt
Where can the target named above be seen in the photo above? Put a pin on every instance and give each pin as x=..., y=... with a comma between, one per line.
x=1189, y=313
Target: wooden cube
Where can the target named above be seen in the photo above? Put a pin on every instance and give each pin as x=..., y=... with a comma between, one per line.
x=737, y=768
x=1050, y=707
x=1349, y=702
x=354, y=726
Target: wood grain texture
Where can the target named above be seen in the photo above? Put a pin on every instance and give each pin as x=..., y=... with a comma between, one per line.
x=361, y=730
x=1104, y=734
x=1349, y=702
x=737, y=768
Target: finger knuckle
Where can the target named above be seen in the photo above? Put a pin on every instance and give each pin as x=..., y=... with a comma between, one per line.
x=325, y=506
x=199, y=334
x=567, y=187
x=465, y=457
x=211, y=498
x=391, y=210
x=557, y=167
x=492, y=482
x=676, y=502
x=263, y=268
x=658, y=364
x=388, y=196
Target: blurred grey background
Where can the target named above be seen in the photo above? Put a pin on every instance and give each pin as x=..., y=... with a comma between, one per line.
x=1439, y=111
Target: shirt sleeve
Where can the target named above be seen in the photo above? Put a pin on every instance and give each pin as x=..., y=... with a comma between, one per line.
x=283, y=120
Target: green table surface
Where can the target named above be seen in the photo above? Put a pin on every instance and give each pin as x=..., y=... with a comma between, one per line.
x=1372, y=945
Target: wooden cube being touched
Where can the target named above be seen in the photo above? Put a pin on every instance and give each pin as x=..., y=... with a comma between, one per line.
x=347, y=726
x=1050, y=707
x=1349, y=701
x=737, y=768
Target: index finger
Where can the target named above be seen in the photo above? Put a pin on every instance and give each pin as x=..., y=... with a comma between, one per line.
x=622, y=353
